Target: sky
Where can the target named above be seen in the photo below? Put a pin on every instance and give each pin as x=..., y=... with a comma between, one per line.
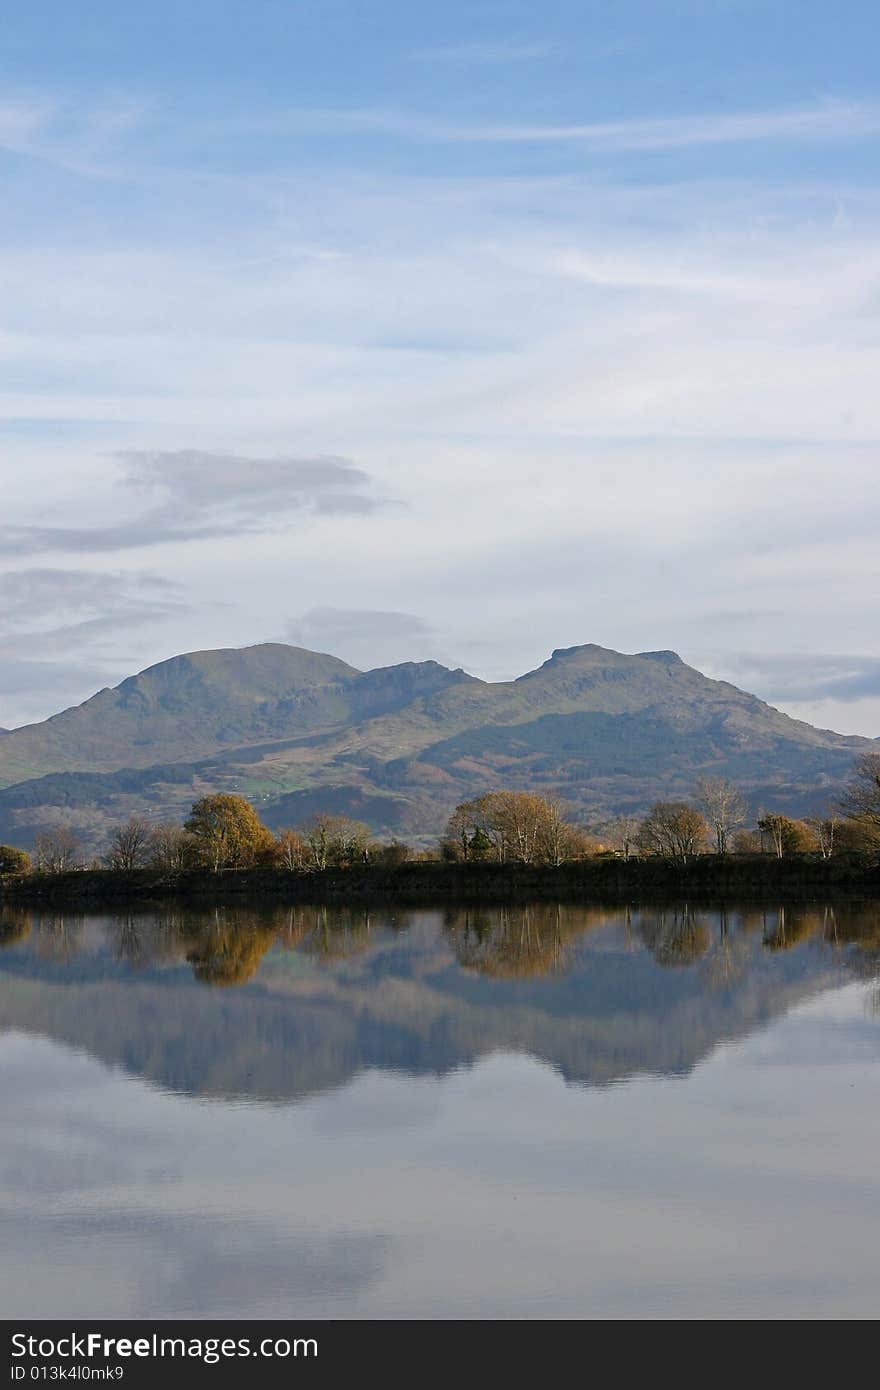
x=460, y=332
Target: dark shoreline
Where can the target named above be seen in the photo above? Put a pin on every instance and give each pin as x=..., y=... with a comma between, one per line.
x=707, y=877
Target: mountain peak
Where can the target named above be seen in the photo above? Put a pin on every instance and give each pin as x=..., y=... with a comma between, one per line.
x=666, y=657
x=398, y=745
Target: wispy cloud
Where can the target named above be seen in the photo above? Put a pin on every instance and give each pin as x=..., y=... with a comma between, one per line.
x=80, y=136
x=201, y=495
x=367, y=637
x=828, y=120
x=806, y=676
x=59, y=629
x=488, y=51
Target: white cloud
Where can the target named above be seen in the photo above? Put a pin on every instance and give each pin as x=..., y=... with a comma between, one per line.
x=636, y=413
x=489, y=51
x=829, y=120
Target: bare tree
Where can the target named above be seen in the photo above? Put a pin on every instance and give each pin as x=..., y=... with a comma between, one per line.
x=825, y=830
x=512, y=828
x=130, y=844
x=622, y=833
x=723, y=805
x=56, y=851
x=173, y=849
x=861, y=800
x=335, y=841
x=672, y=829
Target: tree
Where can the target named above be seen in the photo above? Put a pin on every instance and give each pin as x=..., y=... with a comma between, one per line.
x=786, y=836
x=130, y=845
x=747, y=842
x=672, y=829
x=335, y=841
x=558, y=842
x=861, y=799
x=458, y=835
x=58, y=850
x=511, y=827
x=479, y=846
x=724, y=807
x=291, y=851
x=824, y=829
x=392, y=855
x=229, y=831
x=14, y=861
x=621, y=834
x=173, y=849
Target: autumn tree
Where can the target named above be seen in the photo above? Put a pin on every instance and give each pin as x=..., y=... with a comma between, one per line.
x=674, y=830
x=130, y=844
x=14, y=861
x=723, y=805
x=511, y=828
x=290, y=851
x=786, y=836
x=825, y=831
x=57, y=850
x=228, y=830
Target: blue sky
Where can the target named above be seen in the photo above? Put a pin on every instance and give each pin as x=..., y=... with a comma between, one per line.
x=463, y=331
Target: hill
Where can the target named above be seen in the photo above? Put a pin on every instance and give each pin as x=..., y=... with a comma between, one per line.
x=299, y=731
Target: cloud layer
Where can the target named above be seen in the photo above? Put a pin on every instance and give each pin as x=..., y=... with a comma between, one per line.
x=468, y=366
x=204, y=496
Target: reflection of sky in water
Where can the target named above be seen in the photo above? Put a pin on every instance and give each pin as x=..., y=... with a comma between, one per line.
x=743, y=1183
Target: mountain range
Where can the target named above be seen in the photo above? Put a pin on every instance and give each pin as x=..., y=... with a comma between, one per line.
x=299, y=731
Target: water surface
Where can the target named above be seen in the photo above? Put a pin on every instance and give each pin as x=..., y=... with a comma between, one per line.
x=535, y=1112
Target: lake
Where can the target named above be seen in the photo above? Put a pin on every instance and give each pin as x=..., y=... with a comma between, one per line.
x=550, y=1112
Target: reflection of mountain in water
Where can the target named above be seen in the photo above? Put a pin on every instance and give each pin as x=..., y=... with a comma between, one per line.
x=313, y=995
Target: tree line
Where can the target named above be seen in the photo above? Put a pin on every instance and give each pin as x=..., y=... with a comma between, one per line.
x=223, y=831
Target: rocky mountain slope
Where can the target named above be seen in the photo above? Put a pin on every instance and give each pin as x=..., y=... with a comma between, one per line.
x=299, y=731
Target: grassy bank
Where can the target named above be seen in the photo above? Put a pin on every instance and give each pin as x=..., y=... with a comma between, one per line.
x=706, y=877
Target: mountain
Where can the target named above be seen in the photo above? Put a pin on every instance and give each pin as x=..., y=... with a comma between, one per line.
x=298, y=731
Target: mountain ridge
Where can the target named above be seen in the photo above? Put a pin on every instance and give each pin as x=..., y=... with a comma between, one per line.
x=298, y=731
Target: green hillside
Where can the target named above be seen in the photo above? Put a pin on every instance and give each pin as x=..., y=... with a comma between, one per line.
x=300, y=731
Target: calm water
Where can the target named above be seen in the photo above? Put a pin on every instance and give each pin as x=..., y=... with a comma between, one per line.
x=547, y=1112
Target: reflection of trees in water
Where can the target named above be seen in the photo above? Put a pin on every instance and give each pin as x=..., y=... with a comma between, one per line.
x=790, y=925
x=515, y=942
x=14, y=927
x=676, y=936
x=58, y=938
x=224, y=954
x=728, y=957
x=131, y=943
x=225, y=946
x=333, y=933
